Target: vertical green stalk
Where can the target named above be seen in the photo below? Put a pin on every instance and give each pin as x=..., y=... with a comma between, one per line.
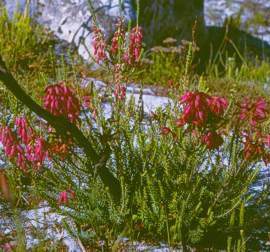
x=138, y=12
x=187, y=65
x=242, y=247
x=120, y=8
x=229, y=239
x=92, y=10
x=129, y=29
x=21, y=245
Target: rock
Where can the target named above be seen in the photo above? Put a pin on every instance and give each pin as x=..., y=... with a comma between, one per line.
x=151, y=101
x=124, y=244
x=71, y=20
x=42, y=221
x=217, y=11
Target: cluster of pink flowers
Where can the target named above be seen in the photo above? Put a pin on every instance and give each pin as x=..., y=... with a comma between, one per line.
x=119, y=92
x=66, y=196
x=61, y=100
x=130, y=55
x=195, y=109
x=13, y=149
x=37, y=152
x=86, y=101
x=165, y=131
x=199, y=108
x=135, y=46
x=203, y=111
x=254, y=148
x=212, y=140
x=99, y=44
x=217, y=105
x=253, y=112
x=24, y=131
x=7, y=247
x=118, y=37
x=29, y=150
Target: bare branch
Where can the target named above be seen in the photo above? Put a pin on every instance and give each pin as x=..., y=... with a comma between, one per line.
x=63, y=127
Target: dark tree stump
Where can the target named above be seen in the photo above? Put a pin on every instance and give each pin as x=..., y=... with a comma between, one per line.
x=175, y=18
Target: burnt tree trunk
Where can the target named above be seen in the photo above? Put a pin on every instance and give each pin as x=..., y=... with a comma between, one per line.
x=161, y=19
x=170, y=18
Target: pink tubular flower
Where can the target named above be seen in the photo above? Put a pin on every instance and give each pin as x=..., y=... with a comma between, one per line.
x=7, y=247
x=8, y=141
x=217, y=105
x=21, y=160
x=117, y=38
x=13, y=150
x=136, y=38
x=195, y=108
x=127, y=58
x=165, y=131
x=61, y=100
x=24, y=131
x=199, y=108
x=86, y=101
x=119, y=92
x=135, y=46
x=24, y=149
x=180, y=122
x=99, y=44
x=212, y=140
x=267, y=140
x=255, y=112
x=65, y=196
x=253, y=150
x=40, y=152
x=254, y=147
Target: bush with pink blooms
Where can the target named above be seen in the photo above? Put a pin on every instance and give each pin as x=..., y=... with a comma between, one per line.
x=22, y=146
x=185, y=173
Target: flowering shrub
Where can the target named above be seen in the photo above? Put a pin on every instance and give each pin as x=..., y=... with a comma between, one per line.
x=61, y=100
x=129, y=51
x=30, y=150
x=200, y=109
x=212, y=140
x=169, y=175
x=7, y=247
x=118, y=39
x=253, y=112
x=132, y=55
x=123, y=54
x=182, y=175
x=25, y=147
x=204, y=112
x=66, y=196
x=99, y=44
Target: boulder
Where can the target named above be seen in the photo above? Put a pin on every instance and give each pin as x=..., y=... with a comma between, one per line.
x=71, y=20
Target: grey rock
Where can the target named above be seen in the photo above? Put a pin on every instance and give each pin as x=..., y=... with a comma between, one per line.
x=216, y=11
x=48, y=224
x=71, y=20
